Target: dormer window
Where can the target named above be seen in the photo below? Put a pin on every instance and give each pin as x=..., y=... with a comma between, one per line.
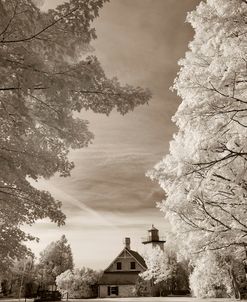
x=119, y=266
x=132, y=265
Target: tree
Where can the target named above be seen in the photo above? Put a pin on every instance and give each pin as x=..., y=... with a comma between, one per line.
x=46, y=77
x=142, y=287
x=54, y=260
x=160, y=268
x=216, y=276
x=209, y=279
x=78, y=283
x=166, y=274
x=19, y=280
x=204, y=176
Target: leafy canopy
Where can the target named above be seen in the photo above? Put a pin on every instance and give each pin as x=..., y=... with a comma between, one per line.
x=54, y=260
x=78, y=283
x=204, y=176
x=46, y=76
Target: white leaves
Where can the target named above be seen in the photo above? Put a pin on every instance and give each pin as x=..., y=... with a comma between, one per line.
x=77, y=283
x=210, y=276
x=159, y=267
x=204, y=175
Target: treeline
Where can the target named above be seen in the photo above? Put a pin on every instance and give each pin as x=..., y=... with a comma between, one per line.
x=165, y=274
x=54, y=270
x=212, y=274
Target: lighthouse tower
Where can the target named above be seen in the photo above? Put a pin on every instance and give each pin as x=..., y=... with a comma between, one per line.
x=153, y=239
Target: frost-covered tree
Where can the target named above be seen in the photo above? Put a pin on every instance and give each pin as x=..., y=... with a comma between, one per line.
x=46, y=76
x=54, y=260
x=215, y=275
x=78, y=283
x=204, y=176
x=165, y=273
x=159, y=266
x=210, y=277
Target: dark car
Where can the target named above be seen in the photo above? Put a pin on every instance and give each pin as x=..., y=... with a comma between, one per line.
x=48, y=295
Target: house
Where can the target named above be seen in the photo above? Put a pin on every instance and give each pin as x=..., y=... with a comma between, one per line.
x=119, y=279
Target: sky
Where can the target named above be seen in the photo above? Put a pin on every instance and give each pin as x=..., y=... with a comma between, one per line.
x=108, y=197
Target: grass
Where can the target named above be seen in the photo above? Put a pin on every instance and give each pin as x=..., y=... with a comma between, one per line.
x=136, y=299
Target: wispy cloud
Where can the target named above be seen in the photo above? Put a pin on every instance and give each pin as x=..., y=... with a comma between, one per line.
x=108, y=196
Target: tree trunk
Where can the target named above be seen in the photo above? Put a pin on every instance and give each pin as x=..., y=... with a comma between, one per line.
x=235, y=285
x=245, y=266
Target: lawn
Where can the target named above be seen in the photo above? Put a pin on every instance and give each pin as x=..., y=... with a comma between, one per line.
x=153, y=299
x=138, y=299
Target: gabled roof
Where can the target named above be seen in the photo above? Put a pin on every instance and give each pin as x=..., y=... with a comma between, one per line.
x=132, y=253
x=138, y=258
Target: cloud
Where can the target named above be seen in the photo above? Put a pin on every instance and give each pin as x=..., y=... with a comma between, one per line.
x=95, y=243
x=107, y=181
x=108, y=196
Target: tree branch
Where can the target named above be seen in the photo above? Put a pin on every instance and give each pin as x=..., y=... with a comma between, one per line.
x=39, y=32
x=11, y=19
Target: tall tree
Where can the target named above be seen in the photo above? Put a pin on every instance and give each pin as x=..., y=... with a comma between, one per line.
x=215, y=275
x=159, y=266
x=45, y=77
x=78, y=283
x=165, y=273
x=19, y=280
x=54, y=260
x=204, y=176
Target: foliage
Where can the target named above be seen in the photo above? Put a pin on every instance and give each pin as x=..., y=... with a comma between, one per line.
x=19, y=280
x=216, y=276
x=178, y=283
x=55, y=259
x=142, y=287
x=78, y=283
x=204, y=176
x=209, y=278
x=165, y=273
x=45, y=77
x=159, y=266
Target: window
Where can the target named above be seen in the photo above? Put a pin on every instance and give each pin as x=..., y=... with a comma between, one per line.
x=119, y=265
x=112, y=290
x=132, y=265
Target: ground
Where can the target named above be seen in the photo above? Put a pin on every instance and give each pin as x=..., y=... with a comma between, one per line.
x=154, y=299
x=139, y=299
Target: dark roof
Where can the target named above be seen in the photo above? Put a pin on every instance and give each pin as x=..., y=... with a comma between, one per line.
x=134, y=254
x=118, y=278
x=153, y=228
x=138, y=257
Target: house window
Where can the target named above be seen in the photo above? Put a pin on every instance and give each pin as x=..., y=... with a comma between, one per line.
x=132, y=265
x=112, y=290
x=119, y=265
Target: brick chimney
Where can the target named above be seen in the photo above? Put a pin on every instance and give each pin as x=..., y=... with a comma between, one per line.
x=127, y=243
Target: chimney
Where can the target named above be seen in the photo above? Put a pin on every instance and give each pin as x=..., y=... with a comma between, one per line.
x=127, y=243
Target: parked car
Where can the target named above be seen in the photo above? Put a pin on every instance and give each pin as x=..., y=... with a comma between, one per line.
x=48, y=295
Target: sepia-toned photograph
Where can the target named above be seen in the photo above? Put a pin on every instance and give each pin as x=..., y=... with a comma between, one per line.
x=123, y=150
